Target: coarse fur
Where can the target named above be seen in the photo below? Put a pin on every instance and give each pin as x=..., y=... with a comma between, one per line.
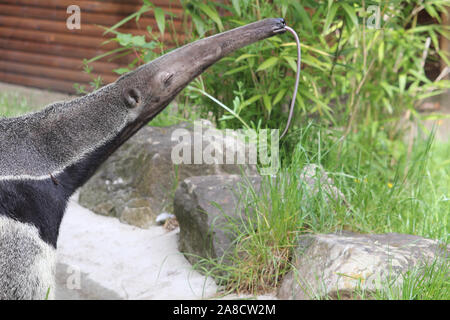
x=29, y=276
x=45, y=156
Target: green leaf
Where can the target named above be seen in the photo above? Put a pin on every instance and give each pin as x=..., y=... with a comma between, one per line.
x=145, y=8
x=300, y=102
x=236, y=70
x=237, y=6
x=350, y=12
x=250, y=101
x=124, y=39
x=268, y=63
x=402, y=82
x=320, y=103
x=291, y=63
x=330, y=3
x=388, y=88
x=444, y=57
x=330, y=16
x=245, y=56
x=432, y=12
x=387, y=105
x=150, y=45
x=121, y=70
x=160, y=19
x=212, y=14
x=267, y=103
x=199, y=25
x=304, y=16
x=381, y=52
x=279, y=96
x=435, y=39
x=101, y=56
x=127, y=39
x=138, y=41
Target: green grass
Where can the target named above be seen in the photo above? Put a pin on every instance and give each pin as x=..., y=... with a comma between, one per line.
x=391, y=189
x=13, y=105
x=387, y=189
x=429, y=281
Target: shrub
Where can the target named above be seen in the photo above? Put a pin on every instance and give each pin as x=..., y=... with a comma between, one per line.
x=352, y=75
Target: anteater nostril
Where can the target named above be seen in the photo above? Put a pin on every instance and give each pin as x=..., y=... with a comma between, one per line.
x=282, y=21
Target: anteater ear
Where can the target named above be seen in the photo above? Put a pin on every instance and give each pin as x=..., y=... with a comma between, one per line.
x=132, y=97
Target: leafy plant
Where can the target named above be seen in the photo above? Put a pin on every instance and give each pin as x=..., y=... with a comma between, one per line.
x=353, y=75
x=136, y=45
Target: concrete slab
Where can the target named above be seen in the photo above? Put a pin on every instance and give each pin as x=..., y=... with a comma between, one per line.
x=101, y=258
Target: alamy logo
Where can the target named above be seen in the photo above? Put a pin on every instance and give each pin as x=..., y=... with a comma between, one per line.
x=74, y=20
x=373, y=21
x=73, y=281
x=206, y=145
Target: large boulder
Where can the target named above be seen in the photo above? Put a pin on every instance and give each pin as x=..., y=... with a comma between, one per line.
x=337, y=266
x=138, y=181
x=205, y=206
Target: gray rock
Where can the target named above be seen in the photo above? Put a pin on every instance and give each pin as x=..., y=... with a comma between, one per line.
x=138, y=181
x=204, y=206
x=315, y=178
x=332, y=266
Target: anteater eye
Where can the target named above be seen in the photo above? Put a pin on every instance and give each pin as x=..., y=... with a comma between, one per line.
x=132, y=97
x=167, y=79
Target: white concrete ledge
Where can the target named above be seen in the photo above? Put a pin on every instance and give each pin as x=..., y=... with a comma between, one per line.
x=110, y=260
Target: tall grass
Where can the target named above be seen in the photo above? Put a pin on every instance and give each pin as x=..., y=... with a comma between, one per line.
x=429, y=281
x=12, y=105
x=386, y=189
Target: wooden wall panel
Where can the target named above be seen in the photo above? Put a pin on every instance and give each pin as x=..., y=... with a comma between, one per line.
x=37, y=49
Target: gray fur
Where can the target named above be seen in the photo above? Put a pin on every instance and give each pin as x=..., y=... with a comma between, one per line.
x=25, y=276
x=48, y=141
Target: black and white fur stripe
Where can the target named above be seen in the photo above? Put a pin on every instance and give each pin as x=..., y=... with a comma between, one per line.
x=31, y=211
x=44, y=158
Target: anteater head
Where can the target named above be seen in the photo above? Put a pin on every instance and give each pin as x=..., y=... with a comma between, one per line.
x=147, y=90
x=83, y=132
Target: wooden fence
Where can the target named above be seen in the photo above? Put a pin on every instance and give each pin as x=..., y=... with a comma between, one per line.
x=37, y=49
